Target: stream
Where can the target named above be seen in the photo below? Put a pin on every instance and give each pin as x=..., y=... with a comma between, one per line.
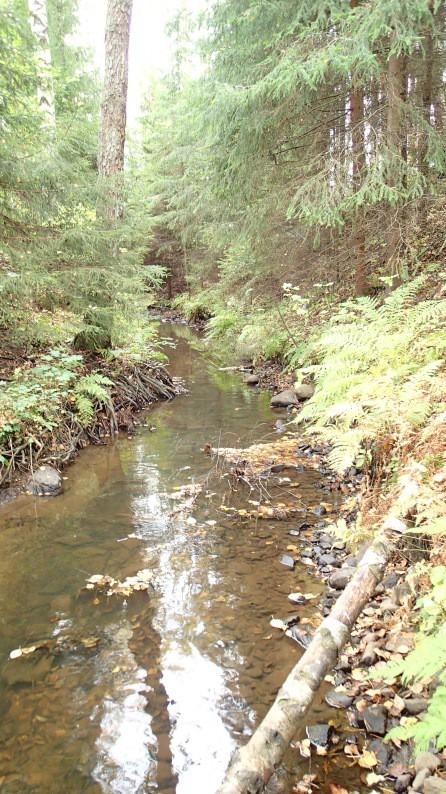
x=154, y=692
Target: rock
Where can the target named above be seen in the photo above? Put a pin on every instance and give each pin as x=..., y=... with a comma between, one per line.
x=297, y=598
x=304, y=391
x=375, y=718
x=390, y=581
x=46, y=481
x=338, y=700
x=400, y=761
x=426, y=761
x=339, y=579
x=284, y=399
x=327, y=559
x=369, y=656
x=382, y=752
x=252, y=380
x=434, y=785
x=420, y=777
x=388, y=605
x=318, y=734
x=319, y=510
x=288, y=561
x=326, y=542
x=402, y=782
x=415, y=706
x=300, y=635
x=339, y=545
x=93, y=339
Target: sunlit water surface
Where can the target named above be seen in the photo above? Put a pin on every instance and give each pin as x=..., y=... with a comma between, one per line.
x=152, y=694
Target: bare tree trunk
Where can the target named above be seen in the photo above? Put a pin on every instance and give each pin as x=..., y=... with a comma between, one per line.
x=358, y=163
x=397, y=147
x=427, y=99
x=114, y=103
x=39, y=26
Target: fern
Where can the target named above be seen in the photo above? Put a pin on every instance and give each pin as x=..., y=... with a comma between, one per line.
x=90, y=390
x=427, y=663
x=375, y=369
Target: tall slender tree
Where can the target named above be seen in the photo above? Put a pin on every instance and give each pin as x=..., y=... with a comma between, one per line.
x=114, y=103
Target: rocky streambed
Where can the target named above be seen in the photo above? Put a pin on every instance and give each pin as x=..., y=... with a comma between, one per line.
x=206, y=583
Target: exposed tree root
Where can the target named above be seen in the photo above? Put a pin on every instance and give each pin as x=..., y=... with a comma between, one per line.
x=134, y=388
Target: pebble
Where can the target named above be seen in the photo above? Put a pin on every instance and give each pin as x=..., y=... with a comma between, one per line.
x=426, y=761
x=339, y=579
x=420, y=777
x=338, y=700
x=415, y=706
x=318, y=734
x=382, y=752
x=375, y=718
x=288, y=561
x=402, y=782
x=369, y=656
x=327, y=559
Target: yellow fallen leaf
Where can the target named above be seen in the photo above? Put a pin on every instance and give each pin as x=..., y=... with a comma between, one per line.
x=368, y=759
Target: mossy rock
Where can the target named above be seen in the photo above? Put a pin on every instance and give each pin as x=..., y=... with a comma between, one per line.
x=92, y=339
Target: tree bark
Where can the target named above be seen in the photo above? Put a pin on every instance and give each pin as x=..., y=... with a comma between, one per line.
x=358, y=158
x=397, y=147
x=427, y=99
x=253, y=765
x=114, y=103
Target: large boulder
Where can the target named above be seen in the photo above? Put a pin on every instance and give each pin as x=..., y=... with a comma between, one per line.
x=284, y=399
x=45, y=481
x=303, y=390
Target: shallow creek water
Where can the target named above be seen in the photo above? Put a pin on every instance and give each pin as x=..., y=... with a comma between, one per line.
x=164, y=686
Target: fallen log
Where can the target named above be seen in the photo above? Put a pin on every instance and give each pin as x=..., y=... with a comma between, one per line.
x=253, y=765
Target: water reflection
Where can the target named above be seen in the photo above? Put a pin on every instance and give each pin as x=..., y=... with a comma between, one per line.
x=176, y=679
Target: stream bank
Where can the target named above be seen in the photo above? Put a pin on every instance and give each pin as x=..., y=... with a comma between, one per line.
x=153, y=692
x=56, y=405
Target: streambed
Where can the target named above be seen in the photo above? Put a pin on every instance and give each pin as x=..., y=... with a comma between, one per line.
x=150, y=693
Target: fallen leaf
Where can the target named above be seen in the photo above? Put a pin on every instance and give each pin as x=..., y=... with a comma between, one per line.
x=368, y=759
x=373, y=778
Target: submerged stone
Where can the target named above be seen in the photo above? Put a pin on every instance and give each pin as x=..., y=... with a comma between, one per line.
x=287, y=561
x=46, y=481
x=318, y=734
x=300, y=635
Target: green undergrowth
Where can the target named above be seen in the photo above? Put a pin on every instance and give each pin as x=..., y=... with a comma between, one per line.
x=427, y=663
x=36, y=399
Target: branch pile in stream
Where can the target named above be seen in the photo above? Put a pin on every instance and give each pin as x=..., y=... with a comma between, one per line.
x=253, y=765
x=134, y=388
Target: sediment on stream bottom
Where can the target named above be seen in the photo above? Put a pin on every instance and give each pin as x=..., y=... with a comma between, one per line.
x=134, y=388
